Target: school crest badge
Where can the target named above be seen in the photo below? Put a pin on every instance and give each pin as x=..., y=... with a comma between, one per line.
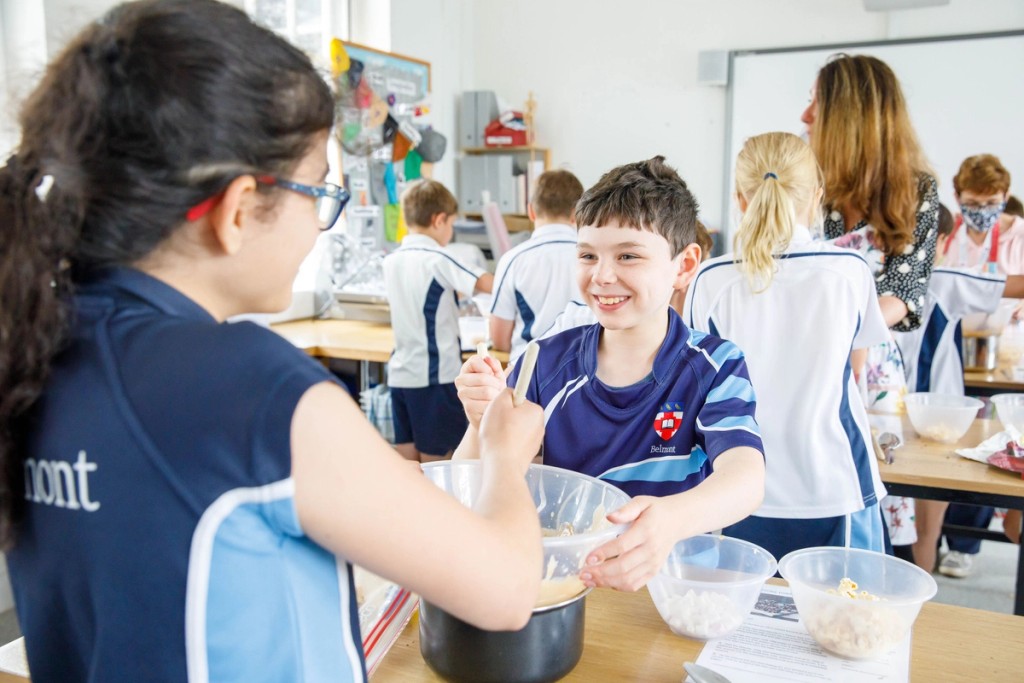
x=668, y=420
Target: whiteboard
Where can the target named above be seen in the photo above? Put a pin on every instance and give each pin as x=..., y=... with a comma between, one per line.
x=964, y=94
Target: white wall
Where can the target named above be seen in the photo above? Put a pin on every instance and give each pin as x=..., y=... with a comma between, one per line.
x=23, y=45
x=616, y=81
x=439, y=32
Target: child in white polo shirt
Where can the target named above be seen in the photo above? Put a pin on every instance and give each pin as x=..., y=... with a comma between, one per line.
x=931, y=354
x=664, y=412
x=422, y=283
x=797, y=307
x=991, y=241
x=537, y=278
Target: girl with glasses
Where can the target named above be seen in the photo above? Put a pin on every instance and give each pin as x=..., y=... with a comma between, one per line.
x=181, y=498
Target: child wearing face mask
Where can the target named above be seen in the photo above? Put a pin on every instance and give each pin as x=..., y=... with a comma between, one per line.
x=992, y=242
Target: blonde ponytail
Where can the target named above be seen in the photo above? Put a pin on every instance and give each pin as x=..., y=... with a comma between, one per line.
x=778, y=177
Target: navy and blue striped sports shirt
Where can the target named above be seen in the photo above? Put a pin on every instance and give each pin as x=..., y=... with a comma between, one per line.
x=657, y=437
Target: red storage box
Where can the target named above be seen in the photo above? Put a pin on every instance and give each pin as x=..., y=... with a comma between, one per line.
x=508, y=130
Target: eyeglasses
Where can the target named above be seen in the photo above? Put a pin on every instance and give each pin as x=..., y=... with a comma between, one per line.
x=330, y=199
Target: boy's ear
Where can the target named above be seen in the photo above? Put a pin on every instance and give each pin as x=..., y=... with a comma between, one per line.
x=438, y=219
x=531, y=213
x=228, y=216
x=689, y=263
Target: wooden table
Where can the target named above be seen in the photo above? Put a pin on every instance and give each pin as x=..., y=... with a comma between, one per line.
x=626, y=640
x=356, y=340
x=1002, y=379
x=925, y=469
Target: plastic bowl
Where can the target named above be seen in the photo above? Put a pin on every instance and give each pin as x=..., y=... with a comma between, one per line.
x=856, y=628
x=1010, y=409
x=566, y=502
x=941, y=417
x=709, y=584
x=989, y=323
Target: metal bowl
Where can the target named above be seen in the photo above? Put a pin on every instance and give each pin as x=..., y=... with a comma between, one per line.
x=545, y=650
x=980, y=352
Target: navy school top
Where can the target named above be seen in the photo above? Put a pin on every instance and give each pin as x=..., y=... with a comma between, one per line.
x=657, y=437
x=161, y=541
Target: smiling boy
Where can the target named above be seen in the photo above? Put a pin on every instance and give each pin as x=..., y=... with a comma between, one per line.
x=638, y=399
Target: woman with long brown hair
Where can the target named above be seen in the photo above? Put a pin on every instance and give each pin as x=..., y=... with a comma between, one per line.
x=881, y=198
x=876, y=177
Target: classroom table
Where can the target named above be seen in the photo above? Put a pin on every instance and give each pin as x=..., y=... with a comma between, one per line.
x=626, y=640
x=356, y=340
x=1004, y=379
x=926, y=469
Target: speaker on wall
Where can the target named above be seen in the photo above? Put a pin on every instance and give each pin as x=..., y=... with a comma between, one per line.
x=713, y=67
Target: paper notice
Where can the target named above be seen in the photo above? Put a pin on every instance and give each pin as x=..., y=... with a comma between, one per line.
x=772, y=645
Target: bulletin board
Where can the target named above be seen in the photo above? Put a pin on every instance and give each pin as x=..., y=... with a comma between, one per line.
x=963, y=94
x=385, y=133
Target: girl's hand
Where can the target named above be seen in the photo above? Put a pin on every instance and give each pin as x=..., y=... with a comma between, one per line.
x=511, y=432
x=479, y=382
x=628, y=562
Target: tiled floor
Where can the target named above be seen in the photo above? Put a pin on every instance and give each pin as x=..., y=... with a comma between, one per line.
x=991, y=582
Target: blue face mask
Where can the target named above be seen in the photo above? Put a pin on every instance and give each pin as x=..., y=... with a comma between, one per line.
x=981, y=219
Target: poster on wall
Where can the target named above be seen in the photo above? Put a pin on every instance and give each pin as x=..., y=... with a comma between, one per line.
x=385, y=132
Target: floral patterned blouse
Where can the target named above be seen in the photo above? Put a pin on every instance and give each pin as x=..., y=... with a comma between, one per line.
x=904, y=276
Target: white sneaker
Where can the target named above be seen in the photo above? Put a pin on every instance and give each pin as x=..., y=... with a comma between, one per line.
x=956, y=564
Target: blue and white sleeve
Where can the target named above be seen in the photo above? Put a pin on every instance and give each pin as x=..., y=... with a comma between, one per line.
x=727, y=418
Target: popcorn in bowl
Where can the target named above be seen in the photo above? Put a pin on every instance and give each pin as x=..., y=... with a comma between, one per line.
x=850, y=620
x=708, y=585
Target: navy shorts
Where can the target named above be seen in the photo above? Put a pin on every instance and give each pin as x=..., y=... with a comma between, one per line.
x=431, y=418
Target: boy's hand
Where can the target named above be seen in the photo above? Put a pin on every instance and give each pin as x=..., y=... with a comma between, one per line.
x=628, y=562
x=480, y=380
x=509, y=431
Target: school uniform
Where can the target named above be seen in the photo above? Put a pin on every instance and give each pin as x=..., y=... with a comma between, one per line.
x=657, y=437
x=534, y=281
x=160, y=457
x=423, y=282
x=931, y=353
x=575, y=314
x=797, y=336
x=999, y=252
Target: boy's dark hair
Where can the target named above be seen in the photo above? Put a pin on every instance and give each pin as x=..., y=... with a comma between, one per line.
x=704, y=240
x=1014, y=207
x=149, y=111
x=424, y=199
x=646, y=195
x=946, y=223
x=556, y=194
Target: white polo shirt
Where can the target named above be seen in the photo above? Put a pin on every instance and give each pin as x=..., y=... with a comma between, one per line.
x=534, y=282
x=422, y=280
x=797, y=337
x=575, y=314
x=931, y=353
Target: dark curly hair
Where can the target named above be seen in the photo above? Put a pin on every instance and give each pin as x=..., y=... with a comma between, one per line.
x=148, y=111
